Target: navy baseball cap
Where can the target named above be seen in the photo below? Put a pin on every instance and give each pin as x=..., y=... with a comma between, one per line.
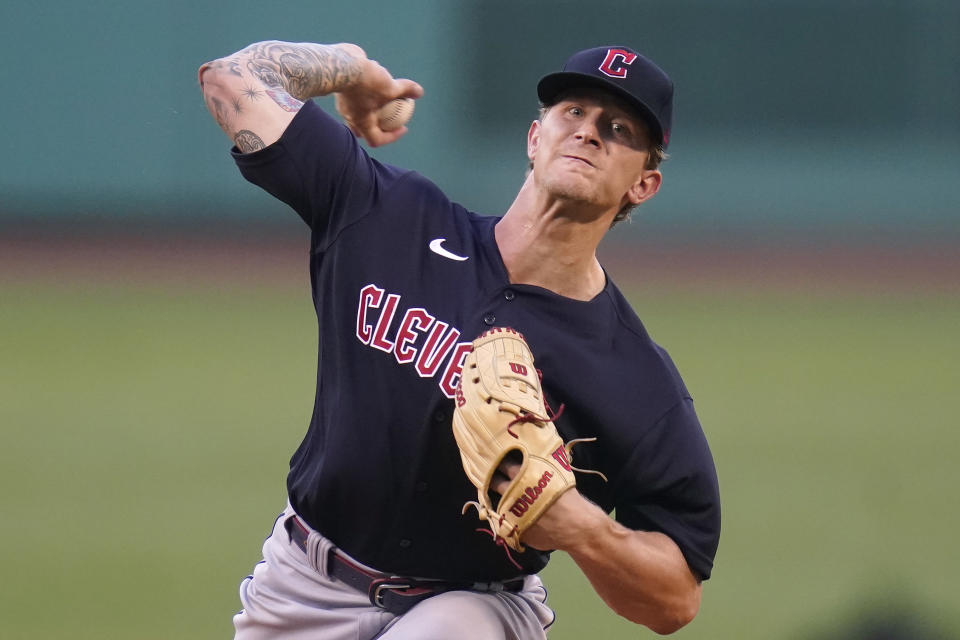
x=625, y=73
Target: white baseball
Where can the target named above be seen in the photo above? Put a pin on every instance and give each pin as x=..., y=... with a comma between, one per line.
x=395, y=114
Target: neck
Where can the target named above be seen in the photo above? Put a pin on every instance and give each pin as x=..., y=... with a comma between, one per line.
x=552, y=244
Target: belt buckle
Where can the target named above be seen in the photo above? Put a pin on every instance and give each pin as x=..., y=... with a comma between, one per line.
x=377, y=597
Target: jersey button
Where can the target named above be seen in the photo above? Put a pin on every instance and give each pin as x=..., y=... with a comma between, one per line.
x=489, y=319
x=421, y=486
x=405, y=544
x=509, y=295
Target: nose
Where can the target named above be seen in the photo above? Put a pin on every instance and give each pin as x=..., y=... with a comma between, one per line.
x=588, y=132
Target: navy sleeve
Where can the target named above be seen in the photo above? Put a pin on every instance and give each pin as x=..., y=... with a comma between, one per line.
x=318, y=168
x=670, y=485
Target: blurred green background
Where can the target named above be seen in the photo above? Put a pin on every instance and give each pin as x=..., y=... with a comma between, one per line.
x=157, y=344
x=792, y=117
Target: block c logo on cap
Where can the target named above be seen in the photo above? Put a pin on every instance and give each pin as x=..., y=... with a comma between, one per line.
x=619, y=71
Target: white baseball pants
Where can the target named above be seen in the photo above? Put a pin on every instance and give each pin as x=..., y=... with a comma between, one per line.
x=291, y=597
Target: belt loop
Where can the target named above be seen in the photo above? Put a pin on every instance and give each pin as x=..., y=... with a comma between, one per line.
x=318, y=553
x=288, y=525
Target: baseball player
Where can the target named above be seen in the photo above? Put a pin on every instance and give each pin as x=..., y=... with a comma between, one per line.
x=425, y=310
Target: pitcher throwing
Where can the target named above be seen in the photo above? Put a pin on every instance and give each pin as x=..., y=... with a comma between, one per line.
x=374, y=540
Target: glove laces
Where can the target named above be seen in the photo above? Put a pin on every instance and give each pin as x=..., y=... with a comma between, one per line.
x=531, y=418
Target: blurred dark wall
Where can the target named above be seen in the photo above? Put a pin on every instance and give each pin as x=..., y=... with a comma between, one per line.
x=807, y=119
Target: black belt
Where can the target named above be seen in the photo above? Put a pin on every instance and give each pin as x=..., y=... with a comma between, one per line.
x=395, y=594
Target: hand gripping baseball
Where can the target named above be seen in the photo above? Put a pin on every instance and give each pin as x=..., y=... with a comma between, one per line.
x=362, y=104
x=500, y=409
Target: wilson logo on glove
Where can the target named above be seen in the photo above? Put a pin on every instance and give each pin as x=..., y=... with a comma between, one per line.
x=518, y=368
x=560, y=455
x=530, y=495
x=500, y=411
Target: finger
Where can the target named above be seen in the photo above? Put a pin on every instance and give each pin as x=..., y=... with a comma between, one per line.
x=511, y=464
x=376, y=137
x=499, y=483
x=507, y=470
x=409, y=89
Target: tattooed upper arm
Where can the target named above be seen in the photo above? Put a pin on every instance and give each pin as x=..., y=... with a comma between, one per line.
x=255, y=93
x=248, y=141
x=302, y=70
x=241, y=106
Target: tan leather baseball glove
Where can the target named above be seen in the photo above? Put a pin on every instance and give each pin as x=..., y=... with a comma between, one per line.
x=500, y=409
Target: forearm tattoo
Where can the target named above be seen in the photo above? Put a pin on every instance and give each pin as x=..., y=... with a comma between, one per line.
x=287, y=73
x=219, y=111
x=286, y=101
x=248, y=141
x=228, y=64
x=301, y=70
x=252, y=93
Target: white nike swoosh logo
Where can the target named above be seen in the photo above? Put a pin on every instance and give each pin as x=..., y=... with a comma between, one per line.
x=436, y=245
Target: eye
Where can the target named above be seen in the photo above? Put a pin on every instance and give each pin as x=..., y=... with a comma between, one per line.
x=575, y=111
x=620, y=129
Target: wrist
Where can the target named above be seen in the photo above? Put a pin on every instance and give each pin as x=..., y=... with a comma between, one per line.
x=582, y=521
x=342, y=67
x=354, y=51
x=362, y=78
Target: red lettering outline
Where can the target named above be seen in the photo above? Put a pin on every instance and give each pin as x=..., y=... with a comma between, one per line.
x=432, y=355
x=413, y=320
x=451, y=377
x=383, y=324
x=370, y=296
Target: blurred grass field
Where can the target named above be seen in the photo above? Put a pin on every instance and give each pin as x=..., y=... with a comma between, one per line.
x=146, y=431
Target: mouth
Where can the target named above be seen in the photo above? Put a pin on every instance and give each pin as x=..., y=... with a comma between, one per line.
x=580, y=159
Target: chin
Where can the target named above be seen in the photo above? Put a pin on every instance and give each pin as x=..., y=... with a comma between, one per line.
x=574, y=189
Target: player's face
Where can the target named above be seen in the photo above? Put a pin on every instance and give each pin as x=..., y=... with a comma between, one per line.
x=590, y=148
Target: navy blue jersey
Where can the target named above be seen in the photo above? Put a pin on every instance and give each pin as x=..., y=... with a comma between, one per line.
x=403, y=280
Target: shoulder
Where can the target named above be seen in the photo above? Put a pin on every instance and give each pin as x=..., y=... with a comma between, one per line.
x=639, y=350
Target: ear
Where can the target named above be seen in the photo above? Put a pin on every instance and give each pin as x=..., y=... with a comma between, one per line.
x=645, y=187
x=533, y=140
